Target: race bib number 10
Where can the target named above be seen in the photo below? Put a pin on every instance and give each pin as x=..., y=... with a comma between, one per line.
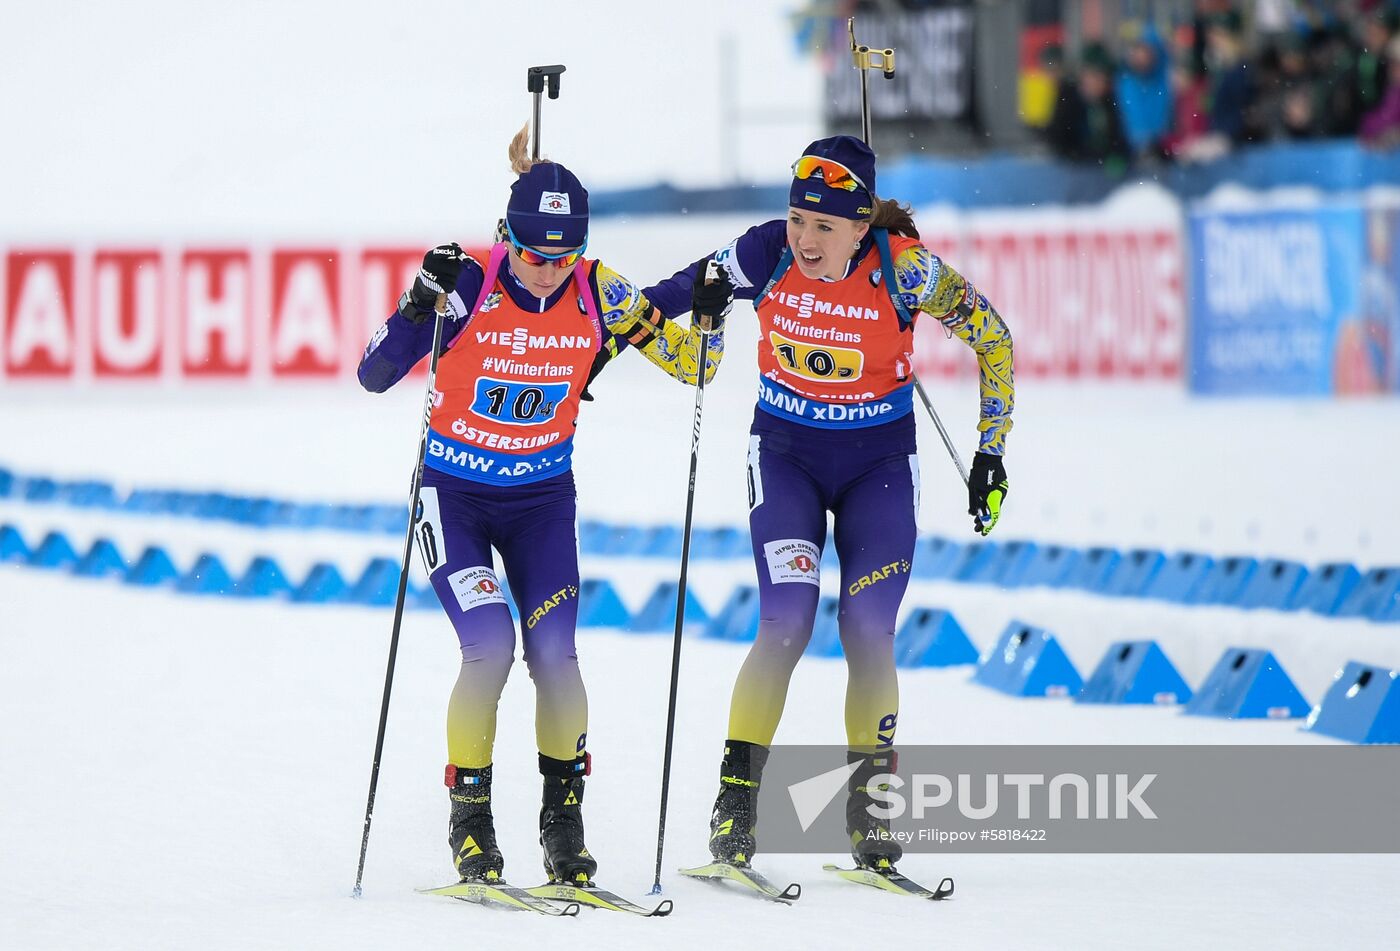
x=517, y=404
x=816, y=363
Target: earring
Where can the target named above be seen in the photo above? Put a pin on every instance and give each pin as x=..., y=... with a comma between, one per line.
x=856, y=246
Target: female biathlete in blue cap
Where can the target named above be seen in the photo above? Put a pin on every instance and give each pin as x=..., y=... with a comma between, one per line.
x=837, y=288
x=525, y=331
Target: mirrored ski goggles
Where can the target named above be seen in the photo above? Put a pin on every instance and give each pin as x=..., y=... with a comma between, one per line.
x=833, y=174
x=535, y=257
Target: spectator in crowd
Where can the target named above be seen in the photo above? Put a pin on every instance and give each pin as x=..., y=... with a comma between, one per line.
x=1189, y=139
x=1380, y=128
x=1102, y=139
x=1233, y=88
x=1291, y=97
x=1371, y=71
x=1144, y=92
x=1333, y=59
x=1065, y=129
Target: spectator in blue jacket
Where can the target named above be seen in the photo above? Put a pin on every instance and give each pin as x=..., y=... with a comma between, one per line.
x=1144, y=93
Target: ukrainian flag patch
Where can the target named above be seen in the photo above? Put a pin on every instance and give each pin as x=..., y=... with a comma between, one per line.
x=554, y=236
x=814, y=197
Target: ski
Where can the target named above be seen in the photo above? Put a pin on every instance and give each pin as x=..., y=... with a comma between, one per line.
x=892, y=881
x=502, y=895
x=595, y=897
x=746, y=876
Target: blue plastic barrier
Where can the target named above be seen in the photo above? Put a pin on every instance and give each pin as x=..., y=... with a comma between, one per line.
x=599, y=605
x=390, y=519
x=826, y=630
x=934, y=557
x=1027, y=661
x=1326, y=588
x=7, y=483
x=930, y=637
x=139, y=500
x=1134, y=573
x=39, y=489
x=101, y=559
x=1274, y=585
x=263, y=578
x=718, y=543
x=55, y=551
x=89, y=494
x=1247, y=683
x=422, y=598
x=1093, y=569
x=658, y=614
x=208, y=575
x=1226, y=581
x=623, y=540
x=152, y=567
x=12, y=546
x=1012, y=560
x=1372, y=594
x=975, y=563
x=323, y=585
x=662, y=541
x=1389, y=614
x=592, y=536
x=310, y=515
x=378, y=583
x=738, y=619
x=1051, y=566
x=1135, y=672
x=1179, y=580
x=1362, y=706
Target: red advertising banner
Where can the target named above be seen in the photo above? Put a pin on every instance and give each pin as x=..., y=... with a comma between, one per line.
x=39, y=329
x=126, y=314
x=1082, y=303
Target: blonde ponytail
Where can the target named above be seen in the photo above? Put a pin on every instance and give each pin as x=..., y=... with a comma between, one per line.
x=893, y=217
x=520, y=161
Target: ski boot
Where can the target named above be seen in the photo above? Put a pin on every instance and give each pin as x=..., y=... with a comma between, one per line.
x=566, y=858
x=735, y=814
x=471, y=833
x=872, y=845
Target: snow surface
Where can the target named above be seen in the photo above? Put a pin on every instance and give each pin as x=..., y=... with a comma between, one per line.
x=184, y=771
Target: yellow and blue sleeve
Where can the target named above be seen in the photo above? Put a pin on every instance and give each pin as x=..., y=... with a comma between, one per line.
x=932, y=287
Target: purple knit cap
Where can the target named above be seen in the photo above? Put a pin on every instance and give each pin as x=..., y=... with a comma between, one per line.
x=814, y=195
x=548, y=207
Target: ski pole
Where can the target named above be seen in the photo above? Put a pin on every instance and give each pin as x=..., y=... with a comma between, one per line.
x=711, y=274
x=864, y=58
x=413, y=516
x=537, y=77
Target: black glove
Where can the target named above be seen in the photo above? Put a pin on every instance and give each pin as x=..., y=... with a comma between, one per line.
x=438, y=275
x=710, y=301
x=986, y=491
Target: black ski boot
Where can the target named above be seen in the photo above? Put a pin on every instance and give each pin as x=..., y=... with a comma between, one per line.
x=736, y=807
x=872, y=846
x=471, y=833
x=566, y=858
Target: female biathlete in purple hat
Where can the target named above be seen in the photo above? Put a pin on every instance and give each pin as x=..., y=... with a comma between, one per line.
x=837, y=288
x=525, y=331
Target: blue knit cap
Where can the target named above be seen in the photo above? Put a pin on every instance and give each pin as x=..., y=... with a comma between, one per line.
x=815, y=196
x=548, y=207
